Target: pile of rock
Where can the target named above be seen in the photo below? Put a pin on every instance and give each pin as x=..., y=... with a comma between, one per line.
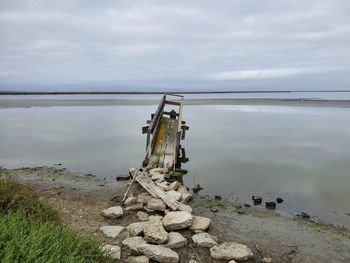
x=155, y=236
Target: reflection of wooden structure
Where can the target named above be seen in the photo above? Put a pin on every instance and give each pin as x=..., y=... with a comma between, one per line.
x=165, y=131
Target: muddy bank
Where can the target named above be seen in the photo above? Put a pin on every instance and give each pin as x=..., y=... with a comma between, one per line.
x=82, y=197
x=26, y=103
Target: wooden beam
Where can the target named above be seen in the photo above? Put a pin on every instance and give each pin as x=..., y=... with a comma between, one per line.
x=154, y=190
x=170, y=102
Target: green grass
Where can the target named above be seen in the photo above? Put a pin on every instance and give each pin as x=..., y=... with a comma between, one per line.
x=33, y=231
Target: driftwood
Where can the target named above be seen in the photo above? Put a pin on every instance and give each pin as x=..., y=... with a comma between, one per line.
x=154, y=190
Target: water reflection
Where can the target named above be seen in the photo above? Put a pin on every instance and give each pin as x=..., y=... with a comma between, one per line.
x=300, y=154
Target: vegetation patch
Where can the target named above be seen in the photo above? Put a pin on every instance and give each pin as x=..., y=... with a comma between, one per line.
x=32, y=231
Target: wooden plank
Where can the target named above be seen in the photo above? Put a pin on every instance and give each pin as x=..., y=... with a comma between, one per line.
x=157, y=115
x=170, y=102
x=154, y=190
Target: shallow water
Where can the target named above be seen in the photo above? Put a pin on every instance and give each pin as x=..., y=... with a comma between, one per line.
x=298, y=153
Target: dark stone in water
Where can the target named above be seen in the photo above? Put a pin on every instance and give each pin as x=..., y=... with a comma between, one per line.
x=247, y=205
x=218, y=197
x=279, y=200
x=304, y=215
x=270, y=205
x=197, y=188
x=122, y=177
x=117, y=198
x=257, y=199
x=214, y=209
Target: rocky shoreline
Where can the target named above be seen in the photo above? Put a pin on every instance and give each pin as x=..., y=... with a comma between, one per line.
x=81, y=199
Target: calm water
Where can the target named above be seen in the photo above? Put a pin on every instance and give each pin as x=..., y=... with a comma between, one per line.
x=301, y=154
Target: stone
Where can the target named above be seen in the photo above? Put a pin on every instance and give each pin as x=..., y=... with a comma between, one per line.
x=197, y=188
x=184, y=207
x=161, y=170
x=122, y=177
x=135, y=229
x=185, y=194
x=138, y=259
x=176, y=240
x=137, y=206
x=155, y=217
x=214, y=209
x=112, y=231
x=154, y=232
x=163, y=185
x=177, y=220
x=157, y=177
x=279, y=200
x=142, y=216
x=144, y=198
x=156, y=205
x=134, y=243
x=204, y=240
x=174, y=194
x=113, y=212
x=159, y=253
x=257, y=199
x=232, y=261
x=266, y=260
x=130, y=200
x=113, y=250
x=218, y=197
x=231, y=251
x=174, y=185
x=193, y=261
x=200, y=223
x=270, y=205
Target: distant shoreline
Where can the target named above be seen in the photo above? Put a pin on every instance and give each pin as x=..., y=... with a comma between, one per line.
x=156, y=92
x=26, y=103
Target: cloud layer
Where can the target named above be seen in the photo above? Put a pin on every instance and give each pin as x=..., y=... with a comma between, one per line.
x=193, y=44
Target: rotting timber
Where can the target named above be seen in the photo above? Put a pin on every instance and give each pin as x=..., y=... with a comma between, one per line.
x=165, y=131
x=164, y=153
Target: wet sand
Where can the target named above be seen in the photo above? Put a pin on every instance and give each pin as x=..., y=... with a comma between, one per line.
x=26, y=103
x=81, y=198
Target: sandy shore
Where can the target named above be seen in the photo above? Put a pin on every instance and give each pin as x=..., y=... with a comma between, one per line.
x=25, y=103
x=81, y=198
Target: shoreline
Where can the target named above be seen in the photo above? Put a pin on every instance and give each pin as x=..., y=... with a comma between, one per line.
x=80, y=199
x=27, y=103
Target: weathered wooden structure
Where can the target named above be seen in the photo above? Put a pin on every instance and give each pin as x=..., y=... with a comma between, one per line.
x=165, y=131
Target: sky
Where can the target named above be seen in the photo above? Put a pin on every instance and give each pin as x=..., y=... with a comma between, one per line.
x=177, y=45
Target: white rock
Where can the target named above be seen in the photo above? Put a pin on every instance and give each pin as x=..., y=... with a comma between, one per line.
x=157, y=177
x=155, y=218
x=138, y=259
x=204, y=240
x=142, y=216
x=232, y=261
x=112, y=250
x=113, y=212
x=175, y=195
x=154, y=232
x=159, y=253
x=231, y=250
x=200, y=223
x=112, y=231
x=137, y=206
x=177, y=220
x=174, y=185
x=156, y=205
x=184, y=207
x=164, y=185
x=130, y=200
x=159, y=170
x=135, y=229
x=144, y=198
x=133, y=243
x=185, y=194
x=176, y=240
x=266, y=260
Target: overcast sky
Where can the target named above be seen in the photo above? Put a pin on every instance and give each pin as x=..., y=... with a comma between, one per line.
x=232, y=44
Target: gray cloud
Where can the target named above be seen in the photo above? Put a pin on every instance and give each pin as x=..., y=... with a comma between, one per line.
x=193, y=44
